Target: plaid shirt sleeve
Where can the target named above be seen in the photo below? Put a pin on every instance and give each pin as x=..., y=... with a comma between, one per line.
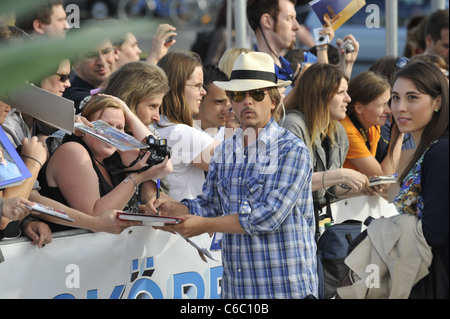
x=287, y=187
x=208, y=203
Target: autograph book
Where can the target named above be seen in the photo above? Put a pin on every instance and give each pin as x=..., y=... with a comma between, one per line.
x=386, y=179
x=109, y=134
x=339, y=11
x=150, y=220
x=50, y=108
x=158, y=220
x=50, y=211
x=13, y=170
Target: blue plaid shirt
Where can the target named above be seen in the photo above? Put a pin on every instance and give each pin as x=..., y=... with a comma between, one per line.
x=268, y=184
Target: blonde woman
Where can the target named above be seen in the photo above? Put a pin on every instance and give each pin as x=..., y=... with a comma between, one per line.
x=88, y=174
x=142, y=86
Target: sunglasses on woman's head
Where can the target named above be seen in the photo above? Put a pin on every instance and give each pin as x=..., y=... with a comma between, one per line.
x=63, y=77
x=401, y=62
x=238, y=96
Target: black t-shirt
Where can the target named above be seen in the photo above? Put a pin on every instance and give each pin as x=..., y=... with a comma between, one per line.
x=116, y=174
x=77, y=92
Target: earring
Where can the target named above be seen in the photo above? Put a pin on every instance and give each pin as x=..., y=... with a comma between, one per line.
x=437, y=110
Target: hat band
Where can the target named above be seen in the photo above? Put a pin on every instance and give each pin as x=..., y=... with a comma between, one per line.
x=253, y=75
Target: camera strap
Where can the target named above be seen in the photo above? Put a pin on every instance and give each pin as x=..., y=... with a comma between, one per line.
x=134, y=163
x=361, y=129
x=123, y=168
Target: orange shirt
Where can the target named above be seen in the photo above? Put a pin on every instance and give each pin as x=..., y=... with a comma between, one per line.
x=358, y=148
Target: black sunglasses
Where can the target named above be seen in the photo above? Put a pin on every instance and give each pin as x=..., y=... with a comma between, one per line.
x=257, y=95
x=63, y=77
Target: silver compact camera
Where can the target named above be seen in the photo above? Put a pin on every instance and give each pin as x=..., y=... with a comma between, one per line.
x=320, y=39
x=348, y=46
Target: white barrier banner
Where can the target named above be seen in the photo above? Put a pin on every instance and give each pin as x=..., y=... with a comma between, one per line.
x=141, y=262
x=361, y=207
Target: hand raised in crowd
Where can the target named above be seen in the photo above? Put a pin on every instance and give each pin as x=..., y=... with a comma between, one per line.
x=322, y=50
x=15, y=208
x=161, y=43
x=348, y=57
x=328, y=29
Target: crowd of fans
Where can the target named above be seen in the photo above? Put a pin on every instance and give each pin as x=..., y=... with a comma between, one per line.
x=331, y=132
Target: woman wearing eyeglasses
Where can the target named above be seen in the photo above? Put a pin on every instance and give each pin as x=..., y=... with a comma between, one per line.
x=313, y=115
x=191, y=148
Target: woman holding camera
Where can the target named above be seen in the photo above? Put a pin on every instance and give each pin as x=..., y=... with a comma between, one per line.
x=142, y=86
x=90, y=175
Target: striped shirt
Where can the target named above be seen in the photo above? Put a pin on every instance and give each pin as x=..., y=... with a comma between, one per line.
x=267, y=183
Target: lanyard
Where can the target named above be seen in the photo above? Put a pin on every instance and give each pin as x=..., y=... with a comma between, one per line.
x=361, y=129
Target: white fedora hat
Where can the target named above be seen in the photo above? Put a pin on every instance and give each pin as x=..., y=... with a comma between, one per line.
x=251, y=71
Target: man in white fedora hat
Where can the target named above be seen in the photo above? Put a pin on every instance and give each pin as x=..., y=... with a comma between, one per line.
x=258, y=193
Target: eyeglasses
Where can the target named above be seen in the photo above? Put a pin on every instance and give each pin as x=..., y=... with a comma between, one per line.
x=95, y=55
x=401, y=62
x=257, y=95
x=63, y=77
x=199, y=86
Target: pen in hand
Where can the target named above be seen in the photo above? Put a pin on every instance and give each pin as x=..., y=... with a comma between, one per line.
x=158, y=187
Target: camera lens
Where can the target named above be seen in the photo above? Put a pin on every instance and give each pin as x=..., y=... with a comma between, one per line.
x=321, y=39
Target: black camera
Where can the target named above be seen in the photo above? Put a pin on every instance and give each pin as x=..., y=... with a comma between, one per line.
x=158, y=150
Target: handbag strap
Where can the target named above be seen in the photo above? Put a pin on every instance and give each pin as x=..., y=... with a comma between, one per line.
x=328, y=213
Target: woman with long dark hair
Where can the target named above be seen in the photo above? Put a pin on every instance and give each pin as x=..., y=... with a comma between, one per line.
x=420, y=106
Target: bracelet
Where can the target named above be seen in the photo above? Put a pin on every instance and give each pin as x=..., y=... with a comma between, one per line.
x=136, y=186
x=347, y=189
x=26, y=220
x=32, y=158
x=322, y=48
